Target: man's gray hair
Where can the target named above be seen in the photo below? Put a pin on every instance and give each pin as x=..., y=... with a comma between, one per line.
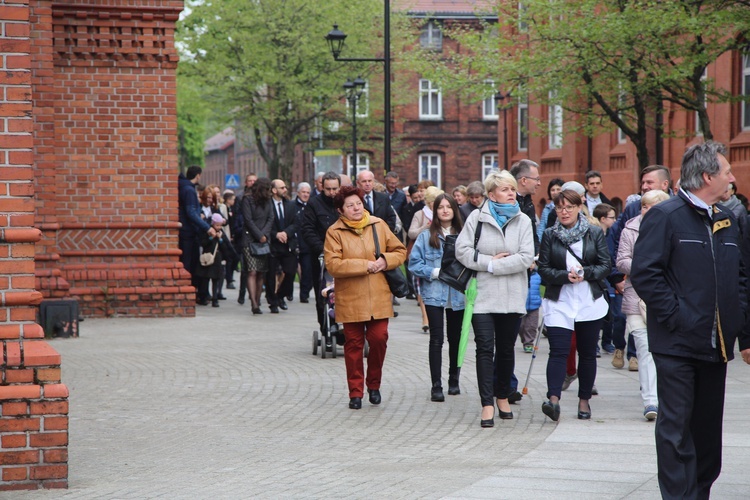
x=391, y=175
x=700, y=159
x=521, y=168
x=331, y=175
x=475, y=188
x=303, y=185
x=319, y=175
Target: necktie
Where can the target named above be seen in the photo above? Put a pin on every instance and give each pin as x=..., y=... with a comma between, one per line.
x=280, y=213
x=369, y=203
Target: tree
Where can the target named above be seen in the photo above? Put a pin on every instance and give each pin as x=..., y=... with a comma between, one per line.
x=191, y=123
x=611, y=63
x=265, y=65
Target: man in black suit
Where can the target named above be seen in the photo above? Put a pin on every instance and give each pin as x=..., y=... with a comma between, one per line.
x=283, y=248
x=378, y=204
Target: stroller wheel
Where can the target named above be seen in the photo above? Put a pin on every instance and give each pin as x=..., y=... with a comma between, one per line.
x=316, y=341
x=322, y=346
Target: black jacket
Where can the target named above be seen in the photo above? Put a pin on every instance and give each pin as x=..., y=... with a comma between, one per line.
x=526, y=205
x=299, y=207
x=257, y=220
x=553, y=262
x=287, y=225
x=383, y=210
x=685, y=266
x=407, y=214
x=316, y=219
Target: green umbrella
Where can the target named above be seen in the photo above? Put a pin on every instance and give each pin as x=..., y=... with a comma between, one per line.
x=471, y=297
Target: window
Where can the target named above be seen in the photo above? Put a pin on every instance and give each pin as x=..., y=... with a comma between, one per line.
x=555, y=119
x=746, y=92
x=523, y=25
x=698, y=128
x=431, y=36
x=489, y=163
x=430, y=101
x=523, y=121
x=429, y=168
x=489, y=105
x=622, y=103
x=363, y=162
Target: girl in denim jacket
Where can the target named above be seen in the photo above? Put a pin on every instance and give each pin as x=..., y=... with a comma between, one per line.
x=438, y=297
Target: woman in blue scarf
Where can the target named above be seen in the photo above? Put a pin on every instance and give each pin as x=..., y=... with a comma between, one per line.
x=503, y=254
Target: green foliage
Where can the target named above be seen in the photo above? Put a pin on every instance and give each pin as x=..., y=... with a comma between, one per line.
x=191, y=123
x=609, y=62
x=265, y=65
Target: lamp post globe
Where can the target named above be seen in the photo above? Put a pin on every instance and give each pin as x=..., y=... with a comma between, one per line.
x=336, y=39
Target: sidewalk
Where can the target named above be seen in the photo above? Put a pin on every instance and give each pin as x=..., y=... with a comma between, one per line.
x=230, y=405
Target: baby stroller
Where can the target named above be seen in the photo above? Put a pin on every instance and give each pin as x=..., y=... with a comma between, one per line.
x=333, y=337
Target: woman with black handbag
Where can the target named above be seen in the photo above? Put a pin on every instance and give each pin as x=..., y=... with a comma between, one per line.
x=501, y=257
x=357, y=259
x=439, y=298
x=257, y=216
x=573, y=261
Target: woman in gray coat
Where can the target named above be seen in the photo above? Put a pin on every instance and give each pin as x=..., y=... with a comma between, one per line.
x=257, y=215
x=503, y=254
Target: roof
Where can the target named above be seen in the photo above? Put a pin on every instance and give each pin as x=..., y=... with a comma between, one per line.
x=447, y=9
x=220, y=141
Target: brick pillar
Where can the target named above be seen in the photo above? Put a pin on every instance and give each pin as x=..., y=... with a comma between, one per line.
x=33, y=402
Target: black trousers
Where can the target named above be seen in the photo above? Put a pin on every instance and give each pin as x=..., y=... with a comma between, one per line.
x=288, y=263
x=190, y=257
x=495, y=334
x=689, y=425
x=319, y=300
x=453, y=321
x=587, y=336
x=305, y=275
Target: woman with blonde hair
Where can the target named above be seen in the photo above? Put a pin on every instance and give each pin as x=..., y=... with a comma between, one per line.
x=635, y=310
x=501, y=256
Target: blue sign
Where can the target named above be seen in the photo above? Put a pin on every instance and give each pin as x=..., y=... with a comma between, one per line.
x=232, y=181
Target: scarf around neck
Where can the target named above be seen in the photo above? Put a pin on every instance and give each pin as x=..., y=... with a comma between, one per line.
x=427, y=213
x=502, y=212
x=357, y=225
x=575, y=233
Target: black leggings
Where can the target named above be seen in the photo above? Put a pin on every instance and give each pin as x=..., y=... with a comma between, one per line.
x=453, y=321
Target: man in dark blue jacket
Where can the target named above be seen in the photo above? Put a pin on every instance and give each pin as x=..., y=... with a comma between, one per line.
x=687, y=268
x=192, y=226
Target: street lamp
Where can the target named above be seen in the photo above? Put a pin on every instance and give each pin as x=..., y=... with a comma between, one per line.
x=354, y=91
x=336, y=39
x=499, y=98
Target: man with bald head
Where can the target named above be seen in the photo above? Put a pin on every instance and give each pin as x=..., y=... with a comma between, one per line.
x=378, y=204
x=283, y=247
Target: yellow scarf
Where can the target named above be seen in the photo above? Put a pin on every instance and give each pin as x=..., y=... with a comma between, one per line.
x=359, y=225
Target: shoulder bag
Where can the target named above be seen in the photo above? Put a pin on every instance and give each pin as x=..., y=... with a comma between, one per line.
x=207, y=258
x=258, y=249
x=395, y=278
x=452, y=272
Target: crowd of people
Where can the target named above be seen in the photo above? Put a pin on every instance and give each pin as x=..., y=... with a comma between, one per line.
x=660, y=282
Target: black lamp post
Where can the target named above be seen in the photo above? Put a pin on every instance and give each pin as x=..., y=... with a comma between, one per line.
x=354, y=91
x=499, y=98
x=336, y=39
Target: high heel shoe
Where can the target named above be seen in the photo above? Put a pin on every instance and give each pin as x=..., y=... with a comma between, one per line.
x=256, y=310
x=552, y=410
x=584, y=415
x=504, y=415
x=489, y=422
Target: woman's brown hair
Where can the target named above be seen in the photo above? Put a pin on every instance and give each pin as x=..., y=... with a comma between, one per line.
x=435, y=228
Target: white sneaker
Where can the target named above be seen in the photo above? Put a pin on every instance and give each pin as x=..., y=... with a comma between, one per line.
x=650, y=412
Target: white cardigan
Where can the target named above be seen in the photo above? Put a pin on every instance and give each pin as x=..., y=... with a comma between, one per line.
x=506, y=289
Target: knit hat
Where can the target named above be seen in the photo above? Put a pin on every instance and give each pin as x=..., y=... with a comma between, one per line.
x=217, y=219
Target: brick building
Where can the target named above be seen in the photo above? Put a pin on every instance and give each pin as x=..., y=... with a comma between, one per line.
x=220, y=156
x=88, y=198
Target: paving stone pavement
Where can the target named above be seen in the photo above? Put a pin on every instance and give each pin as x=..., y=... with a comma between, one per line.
x=230, y=405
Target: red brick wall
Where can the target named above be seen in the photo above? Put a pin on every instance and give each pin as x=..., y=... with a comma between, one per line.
x=33, y=402
x=105, y=112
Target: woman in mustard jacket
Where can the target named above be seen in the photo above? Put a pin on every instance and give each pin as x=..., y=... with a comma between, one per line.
x=363, y=298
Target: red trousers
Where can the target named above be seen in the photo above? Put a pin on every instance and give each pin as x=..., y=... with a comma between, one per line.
x=571, y=370
x=376, y=333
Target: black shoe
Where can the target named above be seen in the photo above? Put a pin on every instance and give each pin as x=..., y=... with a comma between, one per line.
x=355, y=403
x=283, y=306
x=505, y=415
x=230, y=285
x=395, y=314
x=202, y=302
x=374, y=396
x=215, y=303
x=221, y=297
x=551, y=410
x=584, y=415
x=437, y=394
x=488, y=423
x=515, y=397
x=290, y=298
x=454, y=390
x=274, y=310
x=411, y=296
x=304, y=300
x=257, y=310
x=240, y=300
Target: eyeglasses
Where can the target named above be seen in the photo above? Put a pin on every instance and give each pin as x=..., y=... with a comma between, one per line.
x=566, y=209
x=535, y=179
x=610, y=217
